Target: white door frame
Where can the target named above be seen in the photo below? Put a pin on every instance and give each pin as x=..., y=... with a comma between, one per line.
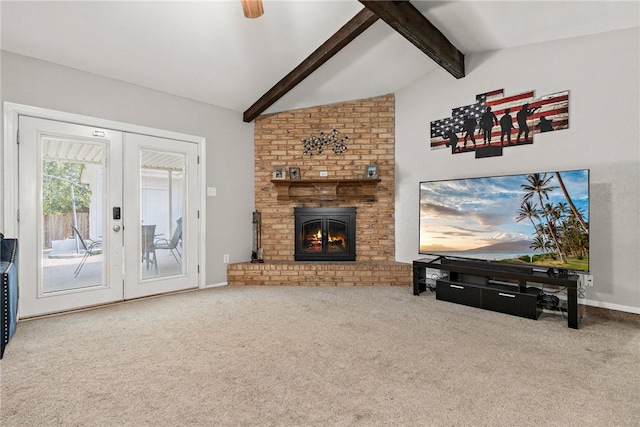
x=9, y=184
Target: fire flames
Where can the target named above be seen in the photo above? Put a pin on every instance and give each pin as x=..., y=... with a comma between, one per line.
x=336, y=242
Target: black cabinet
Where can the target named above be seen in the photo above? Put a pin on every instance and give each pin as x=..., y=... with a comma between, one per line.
x=496, y=297
x=461, y=293
x=507, y=299
x=514, y=290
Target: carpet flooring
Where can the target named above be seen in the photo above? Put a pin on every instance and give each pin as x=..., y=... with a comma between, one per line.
x=317, y=356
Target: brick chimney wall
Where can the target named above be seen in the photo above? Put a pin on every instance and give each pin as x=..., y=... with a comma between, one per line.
x=370, y=126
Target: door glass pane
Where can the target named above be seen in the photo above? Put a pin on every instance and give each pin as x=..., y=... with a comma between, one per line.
x=72, y=189
x=337, y=239
x=162, y=206
x=312, y=236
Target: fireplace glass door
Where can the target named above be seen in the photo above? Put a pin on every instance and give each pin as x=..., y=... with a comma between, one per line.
x=324, y=234
x=312, y=237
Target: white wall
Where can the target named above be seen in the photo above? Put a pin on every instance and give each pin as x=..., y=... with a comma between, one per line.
x=229, y=147
x=601, y=73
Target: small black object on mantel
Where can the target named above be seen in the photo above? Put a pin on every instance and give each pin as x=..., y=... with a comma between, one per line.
x=256, y=253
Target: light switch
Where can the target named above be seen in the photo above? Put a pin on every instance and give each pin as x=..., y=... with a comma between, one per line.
x=211, y=191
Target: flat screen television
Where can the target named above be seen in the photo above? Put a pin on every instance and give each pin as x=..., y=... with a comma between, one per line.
x=537, y=219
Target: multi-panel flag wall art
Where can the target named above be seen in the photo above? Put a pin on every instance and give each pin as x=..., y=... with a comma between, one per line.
x=495, y=122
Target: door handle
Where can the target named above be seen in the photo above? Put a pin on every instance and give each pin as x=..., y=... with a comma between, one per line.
x=116, y=228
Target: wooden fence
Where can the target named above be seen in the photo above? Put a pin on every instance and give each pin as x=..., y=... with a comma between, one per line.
x=58, y=227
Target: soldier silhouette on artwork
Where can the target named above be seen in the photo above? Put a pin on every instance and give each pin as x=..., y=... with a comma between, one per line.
x=469, y=128
x=522, y=115
x=545, y=125
x=487, y=121
x=506, y=124
x=452, y=140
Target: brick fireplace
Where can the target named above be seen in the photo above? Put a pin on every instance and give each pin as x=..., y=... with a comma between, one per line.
x=370, y=126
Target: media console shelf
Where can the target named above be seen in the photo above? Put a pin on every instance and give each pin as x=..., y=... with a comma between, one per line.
x=511, y=289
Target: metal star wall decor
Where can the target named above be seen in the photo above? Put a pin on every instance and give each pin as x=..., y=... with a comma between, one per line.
x=318, y=143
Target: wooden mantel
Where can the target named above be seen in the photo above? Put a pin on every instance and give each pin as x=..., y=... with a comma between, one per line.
x=326, y=189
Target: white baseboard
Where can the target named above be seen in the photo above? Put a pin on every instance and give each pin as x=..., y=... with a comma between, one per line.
x=610, y=306
x=215, y=285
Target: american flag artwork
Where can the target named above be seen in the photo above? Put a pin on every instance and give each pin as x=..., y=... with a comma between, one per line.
x=495, y=121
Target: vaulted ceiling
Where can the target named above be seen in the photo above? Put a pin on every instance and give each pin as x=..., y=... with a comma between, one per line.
x=207, y=50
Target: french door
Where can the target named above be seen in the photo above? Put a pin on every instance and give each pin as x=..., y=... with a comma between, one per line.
x=161, y=221
x=87, y=197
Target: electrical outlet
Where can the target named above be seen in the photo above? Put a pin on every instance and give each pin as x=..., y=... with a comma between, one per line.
x=587, y=280
x=225, y=258
x=324, y=173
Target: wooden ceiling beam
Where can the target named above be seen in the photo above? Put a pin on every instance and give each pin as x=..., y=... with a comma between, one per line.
x=352, y=29
x=403, y=17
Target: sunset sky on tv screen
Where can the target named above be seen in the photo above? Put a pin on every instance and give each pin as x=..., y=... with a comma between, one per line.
x=482, y=213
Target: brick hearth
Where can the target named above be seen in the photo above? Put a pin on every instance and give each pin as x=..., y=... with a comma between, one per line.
x=301, y=273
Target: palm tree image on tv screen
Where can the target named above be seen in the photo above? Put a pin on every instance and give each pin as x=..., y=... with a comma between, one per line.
x=538, y=218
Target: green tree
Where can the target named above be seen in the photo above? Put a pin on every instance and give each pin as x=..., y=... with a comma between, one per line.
x=57, y=180
x=577, y=214
x=539, y=185
x=528, y=211
x=540, y=243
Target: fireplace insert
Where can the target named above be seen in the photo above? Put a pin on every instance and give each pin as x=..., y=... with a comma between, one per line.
x=325, y=234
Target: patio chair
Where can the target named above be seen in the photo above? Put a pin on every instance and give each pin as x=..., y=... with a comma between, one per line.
x=172, y=244
x=90, y=247
x=148, y=245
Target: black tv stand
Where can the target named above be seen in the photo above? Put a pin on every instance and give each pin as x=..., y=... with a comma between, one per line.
x=507, y=288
